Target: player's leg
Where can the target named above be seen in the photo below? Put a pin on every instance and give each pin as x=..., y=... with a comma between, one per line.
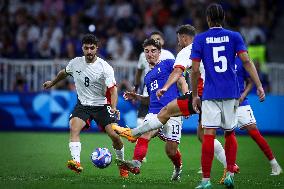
x=175, y=108
x=140, y=152
x=229, y=123
x=211, y=120
x=106, y=119
x=219, y=151
x=78, y=120
x=263, y=145
x=174, y=154
x=247, y=121
x=171, y=134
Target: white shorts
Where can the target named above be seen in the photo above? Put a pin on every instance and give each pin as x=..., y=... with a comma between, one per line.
x=245, y=116
x=171, y=131
x=219, y=114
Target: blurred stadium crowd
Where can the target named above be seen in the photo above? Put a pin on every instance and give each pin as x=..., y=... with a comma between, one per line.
x=35, y=29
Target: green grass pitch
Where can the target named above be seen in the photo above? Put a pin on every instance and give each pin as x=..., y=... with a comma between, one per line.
x=38, y=160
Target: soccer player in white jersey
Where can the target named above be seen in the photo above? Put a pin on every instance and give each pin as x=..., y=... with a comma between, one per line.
x=143, y=66
x=94, y=80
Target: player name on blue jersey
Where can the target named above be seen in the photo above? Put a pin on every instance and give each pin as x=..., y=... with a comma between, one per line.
x=217, y=39
x=217, y=49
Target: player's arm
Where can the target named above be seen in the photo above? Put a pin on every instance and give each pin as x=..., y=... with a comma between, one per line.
x=250, y=68
x=174, y=77
x=62, y=74
x=114, y=99
x=134, y=96
x=182, y=85
x=195, y=74
x=248, y=87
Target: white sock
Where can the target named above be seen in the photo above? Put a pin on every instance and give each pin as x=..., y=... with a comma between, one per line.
x=219, y=152
x=273, y=162
x=75, y=149
x=205, y=179
x=148, y=125
x=120, y=153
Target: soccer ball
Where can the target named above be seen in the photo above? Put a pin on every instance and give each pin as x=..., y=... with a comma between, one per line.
x=101, y=158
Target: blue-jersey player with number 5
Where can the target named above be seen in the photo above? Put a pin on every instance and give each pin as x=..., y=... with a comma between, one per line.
x=217, y=48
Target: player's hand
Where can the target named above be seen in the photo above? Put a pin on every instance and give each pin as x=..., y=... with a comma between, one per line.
x=47, y=85
x=241, y=99
x=196, y=104
x=160, y=93
x=129, y=95
x=261, y=94
x=116, y=112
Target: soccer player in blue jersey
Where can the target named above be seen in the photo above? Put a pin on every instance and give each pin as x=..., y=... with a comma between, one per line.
x=246, y=119
x=217, y=48
x=171, y=131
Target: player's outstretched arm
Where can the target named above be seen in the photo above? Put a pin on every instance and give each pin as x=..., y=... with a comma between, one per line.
x=182, y=85
x=134, y=96
x=174, y=76
x=60, y=76
x=250, y=68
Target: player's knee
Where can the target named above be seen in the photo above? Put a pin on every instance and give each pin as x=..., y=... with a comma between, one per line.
x=163, y=115
x=171, y=152
x=74, y=128
x=250, y=127
x=147, y=135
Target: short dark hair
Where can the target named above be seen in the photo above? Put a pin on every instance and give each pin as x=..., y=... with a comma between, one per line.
x=157, y=32
x=153, y=42
x=90, y=39
x=216, y=13
x=186, y=29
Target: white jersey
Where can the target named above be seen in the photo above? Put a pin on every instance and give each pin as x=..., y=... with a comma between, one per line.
x=144, y=65
x=91, y=80
x=183, y=61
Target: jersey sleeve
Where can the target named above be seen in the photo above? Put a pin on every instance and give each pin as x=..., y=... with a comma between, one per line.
x=196, y=50
x=69, y=68
x=183, y=60
x=240, y=45
x=109, y=77
x=141, y=61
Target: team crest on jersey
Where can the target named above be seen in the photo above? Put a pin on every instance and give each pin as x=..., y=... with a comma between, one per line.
x=79, y=72
x=159, y=70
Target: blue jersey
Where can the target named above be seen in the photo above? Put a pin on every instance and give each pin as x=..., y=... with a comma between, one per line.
x=154, y=80
x=242, y=76
x=217, y=49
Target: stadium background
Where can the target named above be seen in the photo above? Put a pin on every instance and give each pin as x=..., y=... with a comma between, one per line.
x=37, y=38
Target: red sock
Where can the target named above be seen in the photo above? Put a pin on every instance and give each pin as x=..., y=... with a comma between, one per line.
x=231, y=147
x=176, y=159
x=261, y=142
x=207, y=154
x=141, y=149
